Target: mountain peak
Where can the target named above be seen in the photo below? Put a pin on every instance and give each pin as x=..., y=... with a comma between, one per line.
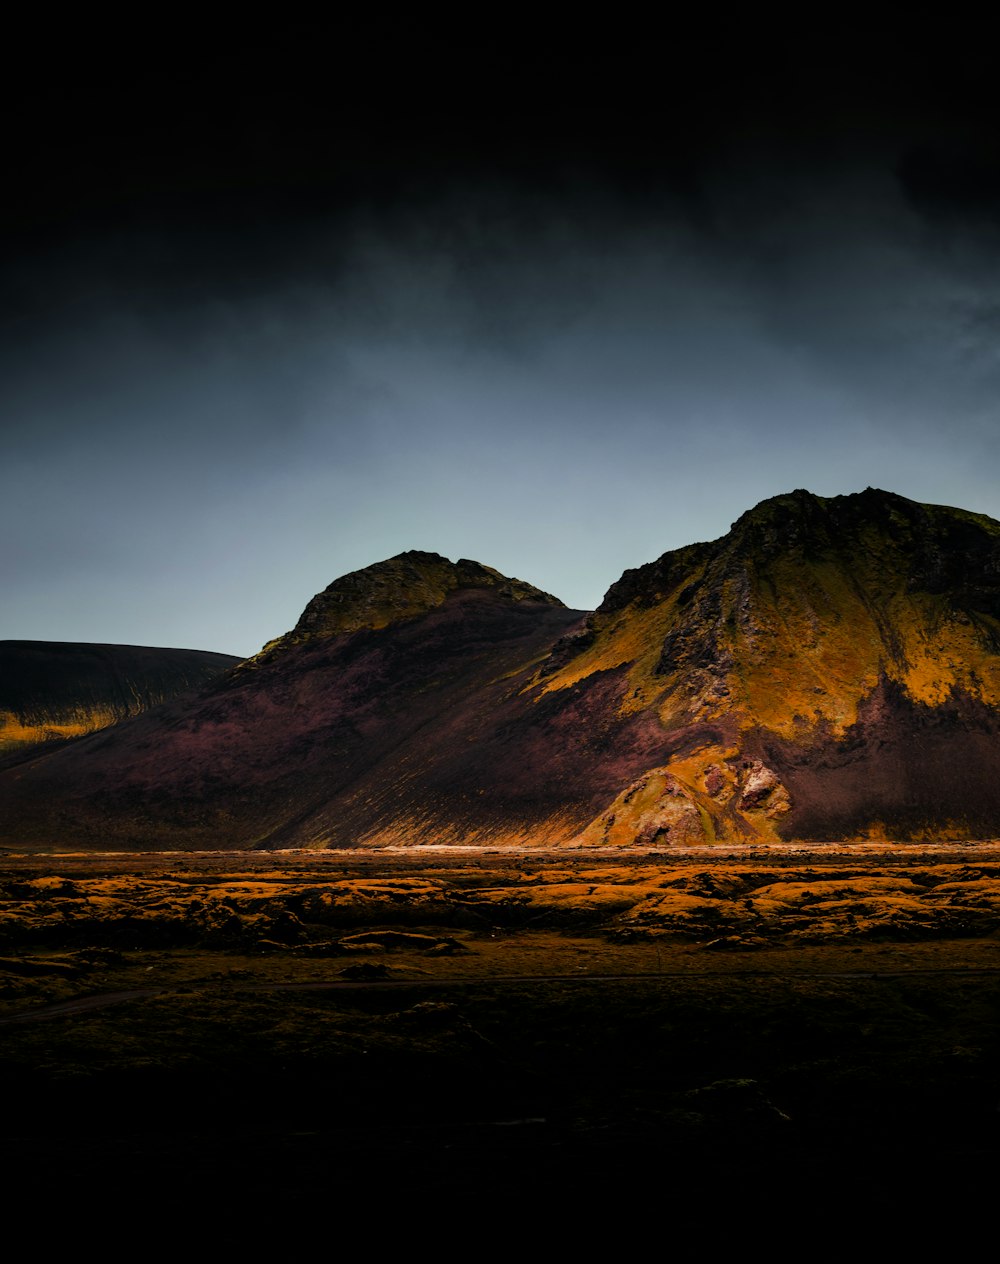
x=858, y=524
x=400, y=587
x=873, y=505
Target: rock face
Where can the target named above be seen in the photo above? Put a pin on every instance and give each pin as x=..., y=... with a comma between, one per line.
x=51, y=690
x=829, y=669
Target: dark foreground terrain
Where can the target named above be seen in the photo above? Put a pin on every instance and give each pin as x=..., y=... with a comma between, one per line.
x=270, y=1040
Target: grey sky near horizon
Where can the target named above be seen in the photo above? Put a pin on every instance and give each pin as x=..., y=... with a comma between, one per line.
x=202, y=428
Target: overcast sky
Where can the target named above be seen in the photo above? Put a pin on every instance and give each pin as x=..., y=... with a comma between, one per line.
x=553, y=313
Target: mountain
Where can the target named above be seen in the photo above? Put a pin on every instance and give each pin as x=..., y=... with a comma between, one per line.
x=379, y=714
x=829, y=669
x=52, y=689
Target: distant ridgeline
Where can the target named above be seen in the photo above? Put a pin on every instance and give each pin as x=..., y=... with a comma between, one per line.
x=52, y=689
x=828, y=670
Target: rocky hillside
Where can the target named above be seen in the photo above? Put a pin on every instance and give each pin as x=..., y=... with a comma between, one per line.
x=51, y=689
x=385, y=713
x=829, y=669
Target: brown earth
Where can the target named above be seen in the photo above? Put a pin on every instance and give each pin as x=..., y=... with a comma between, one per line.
x=430, y=1026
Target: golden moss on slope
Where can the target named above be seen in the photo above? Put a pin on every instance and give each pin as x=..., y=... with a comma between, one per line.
x=631, y=639
x=712, y=795
x=799, y=613
x=782, y=630
x=15, y=733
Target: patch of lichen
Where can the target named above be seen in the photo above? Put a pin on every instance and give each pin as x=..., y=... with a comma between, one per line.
x=79, y=933
x=631, y=638
x=17, y=731
x=701, y=798
x=655, y=810
x=821, y=639
x=808, y=650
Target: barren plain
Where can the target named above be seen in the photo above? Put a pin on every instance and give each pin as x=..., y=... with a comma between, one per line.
x=442, y=1022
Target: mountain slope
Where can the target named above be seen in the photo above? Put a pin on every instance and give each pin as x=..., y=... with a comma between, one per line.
x=52, y=689
x=317, y=740
x=829, y=669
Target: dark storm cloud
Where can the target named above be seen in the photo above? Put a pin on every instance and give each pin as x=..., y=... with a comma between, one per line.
x=563, y=349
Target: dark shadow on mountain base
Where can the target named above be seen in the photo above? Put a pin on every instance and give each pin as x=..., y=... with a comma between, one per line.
x=904, y=770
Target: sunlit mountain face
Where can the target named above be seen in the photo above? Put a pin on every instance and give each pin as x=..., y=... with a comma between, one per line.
x=829, y=669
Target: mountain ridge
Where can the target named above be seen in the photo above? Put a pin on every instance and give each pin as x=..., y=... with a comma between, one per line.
x=829, y=668
x=52, y=690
